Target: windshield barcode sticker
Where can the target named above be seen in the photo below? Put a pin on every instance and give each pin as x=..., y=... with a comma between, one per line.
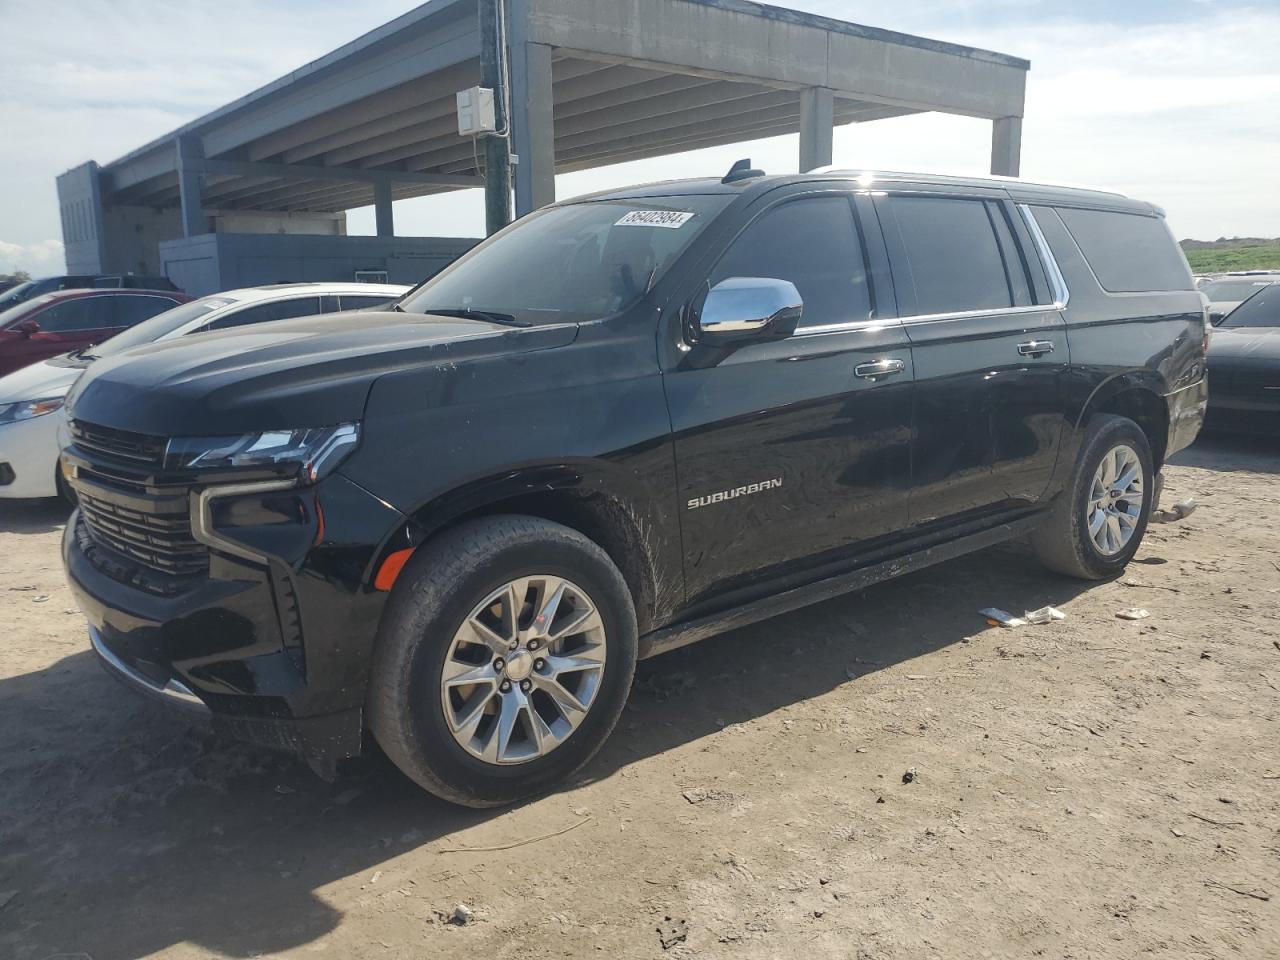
x=669, y=219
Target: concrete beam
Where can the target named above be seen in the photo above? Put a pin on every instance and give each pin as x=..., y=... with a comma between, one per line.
x=190, y=172
x=817, y=124
x=382, y=209
x=405, y=98
x=302, y=171
x=1006, y=146
x=735, y=38
x=533, y=126
x=455, y=41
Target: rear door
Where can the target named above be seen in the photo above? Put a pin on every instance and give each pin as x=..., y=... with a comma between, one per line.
x=788, y=455
x=989, y=347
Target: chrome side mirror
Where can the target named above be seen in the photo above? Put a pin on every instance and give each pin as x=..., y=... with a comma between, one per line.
x=749, y=308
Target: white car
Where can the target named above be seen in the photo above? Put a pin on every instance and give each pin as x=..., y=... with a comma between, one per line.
x=29, y=435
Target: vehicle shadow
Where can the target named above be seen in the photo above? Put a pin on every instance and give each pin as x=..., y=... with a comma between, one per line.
x=124, y=832
x=1231, y=453
x=33, y=516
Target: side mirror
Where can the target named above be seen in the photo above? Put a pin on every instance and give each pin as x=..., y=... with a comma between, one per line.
x=749, y=308
x=1216, y=317
x=29, y=328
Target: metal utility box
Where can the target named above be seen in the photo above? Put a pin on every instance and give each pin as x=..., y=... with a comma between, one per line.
x=475, y=112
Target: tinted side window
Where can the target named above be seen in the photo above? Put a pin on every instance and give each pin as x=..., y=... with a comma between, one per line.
x=83, y=313
x=264, y=312
x=353, y=302
x=131, y=310
x=1127, y=251
x=814, y=244
x=953, y=259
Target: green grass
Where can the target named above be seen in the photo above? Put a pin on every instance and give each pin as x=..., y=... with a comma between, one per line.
x=1222, y=259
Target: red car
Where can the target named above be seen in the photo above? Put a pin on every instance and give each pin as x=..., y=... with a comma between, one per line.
x=74, y=319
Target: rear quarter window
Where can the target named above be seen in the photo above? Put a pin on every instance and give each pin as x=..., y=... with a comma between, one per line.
x=1128, y=252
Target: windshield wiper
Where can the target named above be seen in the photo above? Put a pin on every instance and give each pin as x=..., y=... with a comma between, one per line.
x=506, y=319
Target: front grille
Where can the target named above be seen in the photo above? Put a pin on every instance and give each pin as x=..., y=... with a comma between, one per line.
x=119, y=444
x=160, y=541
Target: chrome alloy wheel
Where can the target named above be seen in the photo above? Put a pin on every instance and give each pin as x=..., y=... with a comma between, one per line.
x=523, y=670
x=1115, y=500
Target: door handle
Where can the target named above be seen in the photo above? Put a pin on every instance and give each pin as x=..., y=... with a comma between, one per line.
x=1034, y=348
x=875, y=369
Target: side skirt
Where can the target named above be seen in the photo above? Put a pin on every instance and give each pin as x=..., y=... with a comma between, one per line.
x=683, y=634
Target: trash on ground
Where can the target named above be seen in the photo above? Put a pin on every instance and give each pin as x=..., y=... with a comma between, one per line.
x=1180, y=510
x=1044, y=615
x=1133, y=613
x=1001, y=618
x=910, y=775
x=672, y=932
x=462, y=915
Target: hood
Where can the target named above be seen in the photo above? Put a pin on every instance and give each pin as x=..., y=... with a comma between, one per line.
x=1245, y=344
x=40, y=381
x=313, y=371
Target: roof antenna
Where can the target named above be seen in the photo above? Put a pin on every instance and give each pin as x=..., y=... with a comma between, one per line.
x=742, y=170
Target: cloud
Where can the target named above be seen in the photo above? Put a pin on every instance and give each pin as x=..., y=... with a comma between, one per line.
x=41, y=257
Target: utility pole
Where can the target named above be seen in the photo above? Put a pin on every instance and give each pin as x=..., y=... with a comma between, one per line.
x=497, y=146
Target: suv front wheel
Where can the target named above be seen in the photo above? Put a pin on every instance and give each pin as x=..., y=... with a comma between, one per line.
x=1098, y=522
x=504, y=660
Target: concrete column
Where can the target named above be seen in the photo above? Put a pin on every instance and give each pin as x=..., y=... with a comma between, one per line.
x=532, y=126
x=382, y=209
x=1006, y=146
x=817, y=124
x=190, y=174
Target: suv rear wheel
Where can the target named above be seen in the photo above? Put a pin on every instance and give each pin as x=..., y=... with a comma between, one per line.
x=504, y=660
x=1097, y=525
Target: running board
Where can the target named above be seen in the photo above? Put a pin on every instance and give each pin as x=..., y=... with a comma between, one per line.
x=683, y=634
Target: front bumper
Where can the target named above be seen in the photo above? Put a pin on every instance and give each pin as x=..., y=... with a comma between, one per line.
x=273, y=647
x=30, y=448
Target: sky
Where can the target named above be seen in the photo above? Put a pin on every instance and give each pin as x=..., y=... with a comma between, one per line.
x=1173, y=101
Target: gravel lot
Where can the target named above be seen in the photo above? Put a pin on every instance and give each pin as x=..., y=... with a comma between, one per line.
x=1089, y=788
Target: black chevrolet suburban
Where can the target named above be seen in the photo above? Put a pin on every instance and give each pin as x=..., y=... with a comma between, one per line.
x=624, y=423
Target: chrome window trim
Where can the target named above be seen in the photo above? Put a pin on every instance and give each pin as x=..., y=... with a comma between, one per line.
x=202, y=514
x=858, y=325
x=1058, y=283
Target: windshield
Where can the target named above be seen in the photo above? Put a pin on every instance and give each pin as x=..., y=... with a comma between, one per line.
x=1219, y=290
x=16, y=294
x=573, y=263
x=149, y=331
x=1260, y=310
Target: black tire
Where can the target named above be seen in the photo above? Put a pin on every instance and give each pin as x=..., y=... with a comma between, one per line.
x=443, y=582
x=1063, y=542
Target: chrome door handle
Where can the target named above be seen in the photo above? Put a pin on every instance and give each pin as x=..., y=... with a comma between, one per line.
x=875, y=369
x=1034, y=348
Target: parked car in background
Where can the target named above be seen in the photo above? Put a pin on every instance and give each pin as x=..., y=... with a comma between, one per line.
x=29, y=436
x=1226, y=291
x=116, y=281
x=55, y=323
x=626, y=422
x=1244, y=367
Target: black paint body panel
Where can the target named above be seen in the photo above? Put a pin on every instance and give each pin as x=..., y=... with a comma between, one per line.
x=668, y=447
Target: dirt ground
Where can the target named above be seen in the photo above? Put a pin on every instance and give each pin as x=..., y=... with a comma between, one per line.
x=1089, y=788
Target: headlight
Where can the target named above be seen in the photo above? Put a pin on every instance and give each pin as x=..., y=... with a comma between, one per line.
x=314, y=450
x=26, y=409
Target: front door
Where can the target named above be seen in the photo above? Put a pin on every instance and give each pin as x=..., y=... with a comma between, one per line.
x=791, y=453
x=989, y=359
